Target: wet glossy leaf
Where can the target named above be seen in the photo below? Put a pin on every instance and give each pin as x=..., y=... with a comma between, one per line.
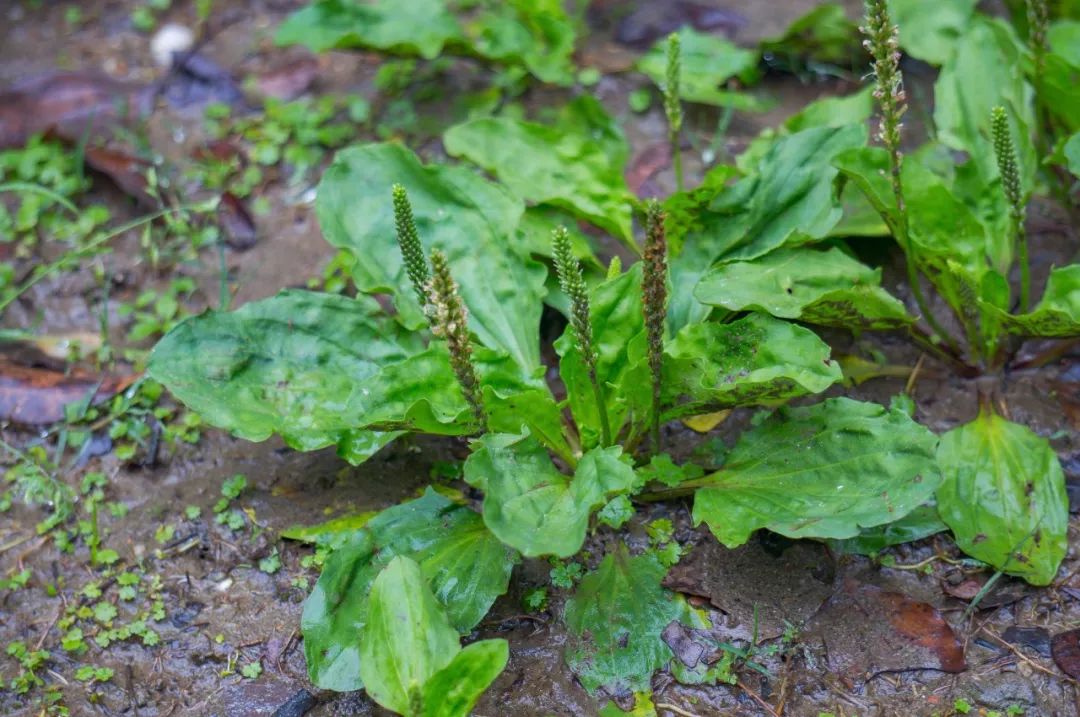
x=622, y=364
x=530, y=505
x=929, y=30
x=823, y=471
x=920, y=523
x=293, y=364
x=1003, y=495
x=708, y=62
x=330, y=533
x=576, y=164
x=1057, y=314
x=472, y=221
x=754, y=360
x=535, y=33
x=789, y=199
x=407, y=637
x=466, y=566
x=819, y=287
x=453, y=690
x=419, y=27
x=615, y=620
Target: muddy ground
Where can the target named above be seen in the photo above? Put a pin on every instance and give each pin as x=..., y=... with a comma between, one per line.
x=222, y=611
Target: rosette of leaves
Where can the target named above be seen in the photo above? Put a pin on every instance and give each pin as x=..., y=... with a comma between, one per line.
x=961, y=228
x=322, y=370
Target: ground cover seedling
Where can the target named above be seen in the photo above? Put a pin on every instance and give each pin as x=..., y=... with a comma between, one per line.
x=459, y=355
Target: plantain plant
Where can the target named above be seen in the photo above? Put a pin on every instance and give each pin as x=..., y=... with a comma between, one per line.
x=961, y=231
x=456, y=352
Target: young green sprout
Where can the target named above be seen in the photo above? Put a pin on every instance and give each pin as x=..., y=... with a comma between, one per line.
x=1010, y=184
x=573, y=285
x=672, y=106
x=883, y=43
x=448, y=319
x=409, y=241
x=654, y=303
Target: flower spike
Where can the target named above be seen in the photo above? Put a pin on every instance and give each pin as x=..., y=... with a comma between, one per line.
x=448, y=319
x=409, y=240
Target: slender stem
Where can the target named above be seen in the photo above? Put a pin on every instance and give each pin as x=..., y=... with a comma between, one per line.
x=676, y=160
x=601, y=407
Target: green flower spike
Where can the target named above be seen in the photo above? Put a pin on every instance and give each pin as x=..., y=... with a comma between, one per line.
x=449, y=320
x=1010, y=184
x=573, y=285
x=672, y=105
x=409, y=241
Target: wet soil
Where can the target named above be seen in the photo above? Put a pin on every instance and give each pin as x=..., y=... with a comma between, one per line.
x=222, y=611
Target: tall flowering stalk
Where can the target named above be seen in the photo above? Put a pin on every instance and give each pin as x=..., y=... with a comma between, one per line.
x=672, y=105
x=409, y=240
x=573, y=285
x=654, y=303
x=448, y=319
x=883, y=43
x=1038, y=17
x=1010, y=184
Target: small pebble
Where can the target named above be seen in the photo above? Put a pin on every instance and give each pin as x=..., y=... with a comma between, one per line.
x=170, y=41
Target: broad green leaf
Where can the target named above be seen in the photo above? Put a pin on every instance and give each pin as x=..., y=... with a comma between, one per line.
x=965, y=92
x=293, y=364
x=1064, y=39
x=822, y=471
x=1056, y=315
x=465, y=565
x=930, y=29
x=707, y=63
x=330, y=533
x=453, y=690
x=823, y=35
x=789, y=199
x=468, y=218
x=615, y=620
x=1072, y=154
x=1060, y=90
x=819, y=287
x=562, y=165
x=622, y=364
x=530, y=505
x=407, y=638
x=535, y=33
x=920, y=523
x=1003, y=495
x=420, y=27
x=757, y=359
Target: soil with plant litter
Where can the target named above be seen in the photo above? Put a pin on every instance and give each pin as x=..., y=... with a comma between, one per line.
x=867, y=643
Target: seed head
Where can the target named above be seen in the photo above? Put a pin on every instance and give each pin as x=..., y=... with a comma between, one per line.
x=672, y=106
x=654, y=302
x=449, y=320
x=883, y=43
x=409, y=240
x=1006, y=159
x=573, y=285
